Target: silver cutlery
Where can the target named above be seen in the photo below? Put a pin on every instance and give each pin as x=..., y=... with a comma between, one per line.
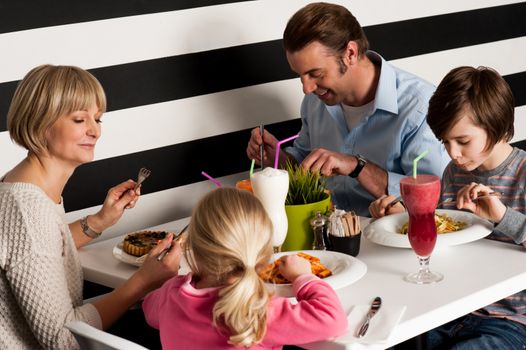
x=375, y=306
x=451, y=201
x=143, y=174
x=166, y=250
x=393, y=202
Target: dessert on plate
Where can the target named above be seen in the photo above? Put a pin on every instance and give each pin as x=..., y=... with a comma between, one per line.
x=141, y=242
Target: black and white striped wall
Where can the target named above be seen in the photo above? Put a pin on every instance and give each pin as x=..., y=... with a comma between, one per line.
x=187, y=80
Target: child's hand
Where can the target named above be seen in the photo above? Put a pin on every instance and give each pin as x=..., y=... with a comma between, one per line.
x=155, y=272
x=293, y=266
x=489, y=207
x=379, y=207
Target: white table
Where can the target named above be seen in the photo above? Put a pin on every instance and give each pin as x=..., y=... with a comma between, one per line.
x=475, y=274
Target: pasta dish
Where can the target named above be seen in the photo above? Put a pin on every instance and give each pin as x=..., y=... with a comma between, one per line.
x=271, y=273
x=444, y=224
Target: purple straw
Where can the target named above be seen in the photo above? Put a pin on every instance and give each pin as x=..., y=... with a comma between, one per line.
x=218, y=184
x=278, y=146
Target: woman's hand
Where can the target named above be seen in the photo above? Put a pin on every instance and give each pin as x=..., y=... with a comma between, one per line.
x=293, y=266
x=380, y=207
x=121, y=197
x=489, y=207
x=154, y=272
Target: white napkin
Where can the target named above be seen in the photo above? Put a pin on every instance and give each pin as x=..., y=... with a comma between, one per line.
x=380, y=327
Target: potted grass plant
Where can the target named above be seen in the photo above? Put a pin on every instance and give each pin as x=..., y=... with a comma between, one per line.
x=307, y=194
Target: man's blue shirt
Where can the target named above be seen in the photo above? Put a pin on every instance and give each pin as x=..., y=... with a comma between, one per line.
x=391, y=137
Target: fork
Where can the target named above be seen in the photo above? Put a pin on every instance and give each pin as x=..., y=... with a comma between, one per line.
x=393, y=202
x=175, y=239
x=451, y=201
x=143, y=174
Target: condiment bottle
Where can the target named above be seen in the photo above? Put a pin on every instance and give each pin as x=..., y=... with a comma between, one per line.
x=319, y=227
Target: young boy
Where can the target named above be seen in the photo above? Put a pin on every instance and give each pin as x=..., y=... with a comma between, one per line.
x=471, y=112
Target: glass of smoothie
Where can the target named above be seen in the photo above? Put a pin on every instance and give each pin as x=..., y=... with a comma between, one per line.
x=420, y=196
x=271, y=186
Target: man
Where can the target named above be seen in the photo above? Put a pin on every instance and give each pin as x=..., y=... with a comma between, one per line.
x=363, y=120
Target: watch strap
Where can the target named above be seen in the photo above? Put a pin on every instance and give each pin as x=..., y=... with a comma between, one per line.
x=359, y=166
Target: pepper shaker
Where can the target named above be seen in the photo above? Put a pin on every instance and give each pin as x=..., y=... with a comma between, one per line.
x=319, y=228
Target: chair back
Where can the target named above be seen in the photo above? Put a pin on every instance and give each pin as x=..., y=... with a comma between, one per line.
x=91, y=338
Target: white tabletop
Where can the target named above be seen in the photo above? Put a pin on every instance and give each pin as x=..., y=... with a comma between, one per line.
x=475, y=274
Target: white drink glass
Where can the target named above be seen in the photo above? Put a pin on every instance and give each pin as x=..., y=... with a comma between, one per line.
x=271, y=186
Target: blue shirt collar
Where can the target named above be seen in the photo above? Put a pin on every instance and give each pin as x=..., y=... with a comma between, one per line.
x=386, y=97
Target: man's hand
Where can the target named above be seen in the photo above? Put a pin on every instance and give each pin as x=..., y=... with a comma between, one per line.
x=329, y=163
x=270, y=144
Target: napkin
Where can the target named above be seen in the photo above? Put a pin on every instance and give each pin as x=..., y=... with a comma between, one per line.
x=380, y=327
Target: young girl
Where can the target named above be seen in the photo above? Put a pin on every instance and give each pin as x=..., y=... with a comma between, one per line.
x=472, y=113
x=222, y=303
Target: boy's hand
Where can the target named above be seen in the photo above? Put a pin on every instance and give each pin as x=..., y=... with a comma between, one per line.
x=379, y=207
x=489, y=207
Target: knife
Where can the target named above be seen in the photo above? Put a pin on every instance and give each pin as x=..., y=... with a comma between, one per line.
x=375, y=306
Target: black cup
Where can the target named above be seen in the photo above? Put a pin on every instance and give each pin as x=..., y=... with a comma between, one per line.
x=347, y=245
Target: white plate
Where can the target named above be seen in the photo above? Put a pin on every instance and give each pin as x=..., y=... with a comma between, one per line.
x=385, y=231
x=121, y=255
x=345, y=270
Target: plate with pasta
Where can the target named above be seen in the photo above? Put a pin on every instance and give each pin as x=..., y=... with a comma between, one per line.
x=453, y=227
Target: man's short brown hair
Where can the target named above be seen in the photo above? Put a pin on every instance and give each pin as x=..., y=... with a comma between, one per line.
x=46, y=93
x=329, y=24
x=480, y=90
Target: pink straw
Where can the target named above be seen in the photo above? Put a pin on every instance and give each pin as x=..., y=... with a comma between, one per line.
x=278, y=146
x=218, y=184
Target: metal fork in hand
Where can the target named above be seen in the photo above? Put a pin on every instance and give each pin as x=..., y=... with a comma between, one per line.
x=450, y=200
x=143, y=174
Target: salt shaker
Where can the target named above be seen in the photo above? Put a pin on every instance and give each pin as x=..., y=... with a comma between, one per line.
x=319, y=227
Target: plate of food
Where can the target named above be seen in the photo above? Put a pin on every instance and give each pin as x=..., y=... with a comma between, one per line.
x=337, y=269
x=136, y=245
x=453, y=227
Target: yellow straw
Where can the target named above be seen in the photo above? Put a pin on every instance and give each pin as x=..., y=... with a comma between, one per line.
x=416, y=161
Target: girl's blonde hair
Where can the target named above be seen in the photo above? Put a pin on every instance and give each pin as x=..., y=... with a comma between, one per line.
x=45, y=94
x=230, y=237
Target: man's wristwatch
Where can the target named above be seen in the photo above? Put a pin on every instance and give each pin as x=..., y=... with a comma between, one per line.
x=88, y=231
x=361, y=164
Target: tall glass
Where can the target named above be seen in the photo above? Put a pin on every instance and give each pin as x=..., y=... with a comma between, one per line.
x=271, y=186
x=420, y=197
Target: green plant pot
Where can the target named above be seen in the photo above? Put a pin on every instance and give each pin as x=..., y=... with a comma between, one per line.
x=299, y=233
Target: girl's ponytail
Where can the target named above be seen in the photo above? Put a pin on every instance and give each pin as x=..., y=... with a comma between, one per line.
x=242, y=307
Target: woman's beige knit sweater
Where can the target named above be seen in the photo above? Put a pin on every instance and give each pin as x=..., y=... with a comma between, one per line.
x=40, y=273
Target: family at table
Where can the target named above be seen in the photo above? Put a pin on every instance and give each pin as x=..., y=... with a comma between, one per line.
x=364, y=121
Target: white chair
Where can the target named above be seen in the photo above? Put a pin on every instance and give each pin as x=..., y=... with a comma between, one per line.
x=91, y=338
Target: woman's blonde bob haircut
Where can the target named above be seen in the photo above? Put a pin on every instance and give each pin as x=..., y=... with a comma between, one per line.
x=229, y=239
x=45, y=94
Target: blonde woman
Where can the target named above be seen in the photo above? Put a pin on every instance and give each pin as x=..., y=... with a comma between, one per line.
x=222, y=303
x=55, y=114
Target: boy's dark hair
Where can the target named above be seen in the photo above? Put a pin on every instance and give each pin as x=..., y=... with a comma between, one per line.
x=331, y=25
x=483, y=91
